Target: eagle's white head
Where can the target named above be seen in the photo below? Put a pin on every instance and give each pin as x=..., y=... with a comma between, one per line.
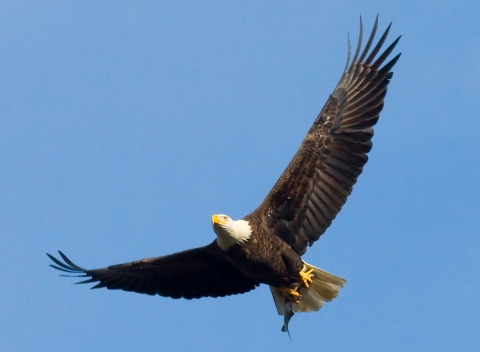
x=230, y=232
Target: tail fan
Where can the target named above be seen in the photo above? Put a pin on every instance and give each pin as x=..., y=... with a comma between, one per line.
x=324, y=288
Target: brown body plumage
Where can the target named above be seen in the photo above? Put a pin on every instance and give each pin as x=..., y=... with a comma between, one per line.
x=296, y=212
x=266, y=258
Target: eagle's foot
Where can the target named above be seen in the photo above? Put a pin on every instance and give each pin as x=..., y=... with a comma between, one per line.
x=291, y=295
x=306, y=277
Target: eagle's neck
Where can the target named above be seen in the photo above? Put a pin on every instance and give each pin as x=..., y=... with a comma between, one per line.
x=232, y=233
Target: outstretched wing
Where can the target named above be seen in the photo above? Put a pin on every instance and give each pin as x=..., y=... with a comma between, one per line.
x=194, y=273
x=317, y=182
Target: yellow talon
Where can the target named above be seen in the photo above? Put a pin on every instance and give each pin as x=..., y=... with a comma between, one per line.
x=306, y=277
x=289, y=294
x=294, y=293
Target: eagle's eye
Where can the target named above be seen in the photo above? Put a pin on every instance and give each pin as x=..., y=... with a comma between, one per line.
x=225, y=218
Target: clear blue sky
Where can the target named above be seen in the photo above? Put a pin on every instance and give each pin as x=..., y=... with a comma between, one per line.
x=124, y=125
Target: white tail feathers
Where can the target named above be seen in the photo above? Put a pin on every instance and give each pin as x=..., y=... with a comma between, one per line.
x=324, y=288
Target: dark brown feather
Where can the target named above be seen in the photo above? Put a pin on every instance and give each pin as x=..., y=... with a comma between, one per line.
x=318, y=180
x=195, y=273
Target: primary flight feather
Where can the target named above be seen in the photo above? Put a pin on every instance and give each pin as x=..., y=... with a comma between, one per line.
x=265, y=247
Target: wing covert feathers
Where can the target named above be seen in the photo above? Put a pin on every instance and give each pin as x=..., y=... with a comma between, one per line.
x=199, y=272
x=318, y=180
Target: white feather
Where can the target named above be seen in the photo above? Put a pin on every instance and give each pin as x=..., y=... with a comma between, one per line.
x=232, y=233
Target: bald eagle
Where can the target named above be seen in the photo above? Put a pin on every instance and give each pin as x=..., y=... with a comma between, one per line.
x=265, y=247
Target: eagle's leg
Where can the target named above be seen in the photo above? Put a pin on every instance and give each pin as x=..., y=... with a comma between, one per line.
x=306, y=276
x=290, y=294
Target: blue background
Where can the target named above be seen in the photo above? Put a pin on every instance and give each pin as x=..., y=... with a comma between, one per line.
x=125, y=125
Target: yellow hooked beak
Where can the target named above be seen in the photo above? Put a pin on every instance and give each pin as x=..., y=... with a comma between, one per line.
x=219, y=220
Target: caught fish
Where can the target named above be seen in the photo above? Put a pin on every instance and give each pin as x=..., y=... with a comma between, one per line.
x=287, y=316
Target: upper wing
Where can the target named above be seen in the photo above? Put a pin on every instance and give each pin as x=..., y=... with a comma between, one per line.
x=317, y=182
x=194, y=273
